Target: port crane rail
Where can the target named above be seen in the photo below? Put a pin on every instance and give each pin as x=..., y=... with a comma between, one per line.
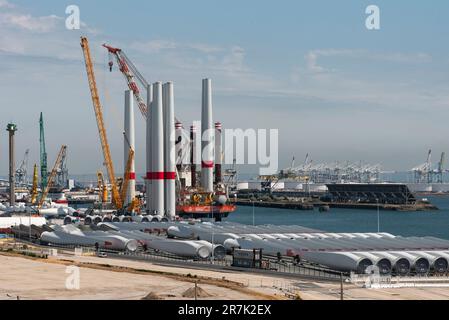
x=116, y=198
x=52, y=175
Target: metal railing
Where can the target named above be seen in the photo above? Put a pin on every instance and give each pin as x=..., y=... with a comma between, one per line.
x=270, y=265
x=304, y=268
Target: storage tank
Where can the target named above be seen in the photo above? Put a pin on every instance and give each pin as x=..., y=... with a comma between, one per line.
x=292, y=185
x=242, y=186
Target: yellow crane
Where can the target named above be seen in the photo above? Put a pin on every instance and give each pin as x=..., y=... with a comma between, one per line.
x=51, y=177
x=126, y=177
x=116, y=197
x=102, y=187
x=35, y=183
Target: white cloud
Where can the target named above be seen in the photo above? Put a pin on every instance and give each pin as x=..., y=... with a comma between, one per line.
x=205, y=48
x=6, y=4
x=153, y=46
x=158, y=45
x=313, y=56
x=28, y=22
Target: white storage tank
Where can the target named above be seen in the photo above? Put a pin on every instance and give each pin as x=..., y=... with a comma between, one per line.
x=292, y=185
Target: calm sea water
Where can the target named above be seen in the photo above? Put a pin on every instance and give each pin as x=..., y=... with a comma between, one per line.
x=432, y=223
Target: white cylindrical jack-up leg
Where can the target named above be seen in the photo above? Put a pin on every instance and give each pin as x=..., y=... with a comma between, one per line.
x=148, y=181
x=157, y=151
x=218, y=152
x=169, y=151
x=129, y=142
x=207, y=139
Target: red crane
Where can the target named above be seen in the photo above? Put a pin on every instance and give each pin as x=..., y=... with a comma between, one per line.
x=130, y=72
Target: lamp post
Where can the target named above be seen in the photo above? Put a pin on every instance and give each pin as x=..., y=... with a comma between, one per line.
x=12, y=128
x=341, y=286
x=254, y=215
x=212, y=256
x=30, y=225
x=378, y=216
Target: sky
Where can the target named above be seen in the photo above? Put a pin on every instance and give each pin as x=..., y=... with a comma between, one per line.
x=311, y=69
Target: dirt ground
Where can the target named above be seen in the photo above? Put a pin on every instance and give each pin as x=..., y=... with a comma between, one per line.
x=106, y=278
x=31, y=279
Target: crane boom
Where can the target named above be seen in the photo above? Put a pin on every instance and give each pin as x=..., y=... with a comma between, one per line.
x=52, y=175
x=441, y=163
x=129, y=70
x=102, y=187
x=35, y=182
x=116, y=199
x=22, y=171
x=126, y=177
x=43, y=153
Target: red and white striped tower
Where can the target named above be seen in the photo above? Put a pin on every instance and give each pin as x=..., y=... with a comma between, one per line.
x=179, y=143
x=129, y=142
x=148, y=182
x=192, y=156
x=169, y=151
x=157, y=173
x=207, y=139
x=218, y=152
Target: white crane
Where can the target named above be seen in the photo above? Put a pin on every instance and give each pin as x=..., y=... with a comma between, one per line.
x=21, y=172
